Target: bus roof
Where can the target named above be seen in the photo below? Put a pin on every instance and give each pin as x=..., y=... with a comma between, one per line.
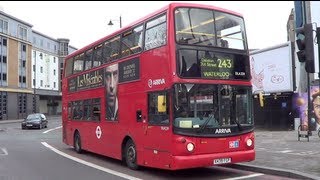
x=170, y=5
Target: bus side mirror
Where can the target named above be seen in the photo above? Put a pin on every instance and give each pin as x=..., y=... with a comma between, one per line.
x=139, y=115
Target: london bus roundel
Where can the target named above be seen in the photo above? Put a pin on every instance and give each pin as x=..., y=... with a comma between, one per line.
x=98, y=132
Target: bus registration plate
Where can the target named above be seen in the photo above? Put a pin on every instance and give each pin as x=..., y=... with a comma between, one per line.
x=222, y=161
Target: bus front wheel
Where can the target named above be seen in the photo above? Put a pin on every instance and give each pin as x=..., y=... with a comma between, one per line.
x=77, y=143
x=131, y=155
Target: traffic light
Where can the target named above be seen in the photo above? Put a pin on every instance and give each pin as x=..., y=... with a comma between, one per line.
x=305, y=45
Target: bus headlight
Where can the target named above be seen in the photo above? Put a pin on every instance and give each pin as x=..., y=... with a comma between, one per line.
x=190, y=147
x=249, y=142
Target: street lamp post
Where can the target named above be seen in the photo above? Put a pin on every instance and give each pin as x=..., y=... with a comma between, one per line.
x=34, y=87
x=111, y=23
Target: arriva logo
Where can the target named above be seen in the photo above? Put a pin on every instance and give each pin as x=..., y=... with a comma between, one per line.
x=155, y=82
x=223, y=131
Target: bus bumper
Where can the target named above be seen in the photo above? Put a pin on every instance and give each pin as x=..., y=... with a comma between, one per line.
x=205, y=160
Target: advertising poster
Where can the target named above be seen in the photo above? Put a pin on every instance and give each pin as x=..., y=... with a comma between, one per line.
x=300, y=108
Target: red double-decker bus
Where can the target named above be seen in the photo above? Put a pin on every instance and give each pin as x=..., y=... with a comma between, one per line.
x=169, y=91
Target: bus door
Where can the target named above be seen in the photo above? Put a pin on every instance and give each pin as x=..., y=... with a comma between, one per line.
x=66, y=119
x=157, y=130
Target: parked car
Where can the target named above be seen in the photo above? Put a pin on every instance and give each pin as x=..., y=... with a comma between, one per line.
x=36, y=120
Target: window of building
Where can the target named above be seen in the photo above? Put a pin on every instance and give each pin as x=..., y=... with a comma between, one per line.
x=23, y=63
x=22, y=79
x=34, y=55
x=54, y=72
x=41, y=56
x=41, y=83
x=34, y=68
x=23, y=47
x=54, y=59
x=23, y=33
x=4, y=41
x=41, y=69
x=4, y=76
x=34, y=82
x=4, y=59
x=54, y=84
x=3, y=26
x=63, y=49
x=1, y=81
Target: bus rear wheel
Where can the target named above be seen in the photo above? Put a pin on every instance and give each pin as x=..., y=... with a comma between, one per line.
x=77, y=143
x=131, y=155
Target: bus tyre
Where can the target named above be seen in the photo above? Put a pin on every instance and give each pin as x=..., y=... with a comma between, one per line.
x=77, y=143
x=131, y=155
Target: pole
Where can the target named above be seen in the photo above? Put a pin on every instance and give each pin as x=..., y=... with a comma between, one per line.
x=318, y=42
x=120, y=22
x=309, y=105
x=34, y=87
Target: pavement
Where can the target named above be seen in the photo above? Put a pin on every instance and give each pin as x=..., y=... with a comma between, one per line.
x=279, y=153
x=10, y=121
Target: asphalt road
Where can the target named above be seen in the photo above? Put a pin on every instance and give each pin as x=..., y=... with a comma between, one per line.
x=41, y=155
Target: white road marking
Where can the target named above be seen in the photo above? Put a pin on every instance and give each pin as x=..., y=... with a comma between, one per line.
x=44, y=132
x=4, y=150
x=286, y=151
x=90, y=164
x=291, y=152
x=245, y=177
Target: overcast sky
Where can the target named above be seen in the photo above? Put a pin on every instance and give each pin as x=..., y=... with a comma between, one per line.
x=84, y=22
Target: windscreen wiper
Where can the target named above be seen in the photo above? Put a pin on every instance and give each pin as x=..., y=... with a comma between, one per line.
x=238, y=124
x=205, y=124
